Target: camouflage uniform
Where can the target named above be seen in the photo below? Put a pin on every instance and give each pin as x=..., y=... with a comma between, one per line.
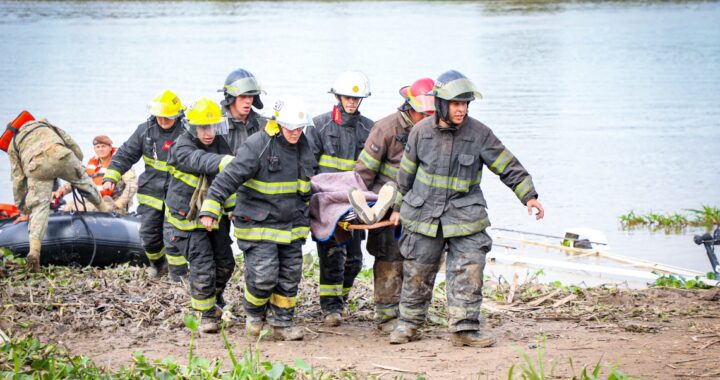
x=40, y=153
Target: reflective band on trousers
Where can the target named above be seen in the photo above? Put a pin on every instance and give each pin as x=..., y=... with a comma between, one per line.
x=331, y=290
x=113, y=175
x=274, y=188
x=346, y=291
x=369, y=161
x=254, y=300
x=412, y=312
x=156, y=255
x=175, y=260
x=523, y=188
x=158, y=165
x=407, y=165
x=151, y=201
x=271, y=234
x=501, y=162
x=282, y=301
x=336, y=163
x=202, y=305
x=462, y=312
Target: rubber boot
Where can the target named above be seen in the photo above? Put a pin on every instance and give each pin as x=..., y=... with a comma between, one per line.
x=253, y=326
x=386, y=198
x=332, y=320
x=157, y=268
x=210, y=323
x=388, y=326
x=288, y=333
x=359, y=204
x=404, y=333
x=33, y=257
x=471, y=339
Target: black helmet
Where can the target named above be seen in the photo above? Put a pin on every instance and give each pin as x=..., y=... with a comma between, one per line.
x=454, y=86
x=242, y=82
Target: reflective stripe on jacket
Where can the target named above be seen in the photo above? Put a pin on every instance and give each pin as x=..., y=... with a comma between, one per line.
x=189, y=160
x=440, y=174
x=272, y=181
x=152, y=144
x=337, y=147
x=379, y=161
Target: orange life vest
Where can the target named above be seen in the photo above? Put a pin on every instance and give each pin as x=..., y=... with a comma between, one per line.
x=96, y=171
x=8, y=210
x=12, y=129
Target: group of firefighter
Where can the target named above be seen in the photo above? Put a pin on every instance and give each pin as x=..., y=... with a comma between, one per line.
x=212, y=165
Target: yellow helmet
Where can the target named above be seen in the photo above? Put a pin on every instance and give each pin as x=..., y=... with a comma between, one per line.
x=167, y=104
x=205, y=113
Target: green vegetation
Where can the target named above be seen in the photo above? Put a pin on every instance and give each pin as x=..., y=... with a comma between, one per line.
x=679, y=282
x=707, y=216
x=538, y=369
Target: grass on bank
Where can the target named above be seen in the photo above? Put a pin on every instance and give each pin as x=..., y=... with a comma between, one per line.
x=706, y=216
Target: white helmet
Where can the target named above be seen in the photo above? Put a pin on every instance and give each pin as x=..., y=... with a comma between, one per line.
x=291, y=113
x=351, y=83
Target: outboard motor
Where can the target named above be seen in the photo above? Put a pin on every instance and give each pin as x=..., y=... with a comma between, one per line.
x=710, y=242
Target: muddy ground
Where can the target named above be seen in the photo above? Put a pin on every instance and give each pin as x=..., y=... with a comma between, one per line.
x=110, y=314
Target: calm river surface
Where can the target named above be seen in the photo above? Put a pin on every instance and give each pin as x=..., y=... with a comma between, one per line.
x=611, y=106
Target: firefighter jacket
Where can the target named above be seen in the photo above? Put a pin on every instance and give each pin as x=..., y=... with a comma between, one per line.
x=28, y=147
x=238, y=131
x=272, y=181
x=151, y=143
x=440, y=174
x=192, y=164
x=380, y=159
x=337, y=138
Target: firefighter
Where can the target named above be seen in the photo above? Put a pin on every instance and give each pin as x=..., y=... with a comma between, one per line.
x=197, y=156
x=40, y=153
x=271, y=177
x=121, y=198
x=443, y=206
x=151, y=142
x=336, y=139
x=378, y=165
x=242, y=92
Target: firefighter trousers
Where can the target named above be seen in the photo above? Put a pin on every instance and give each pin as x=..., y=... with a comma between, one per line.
x=464, y=276
x=339, y=265
x=272, y=275
x=387, y=272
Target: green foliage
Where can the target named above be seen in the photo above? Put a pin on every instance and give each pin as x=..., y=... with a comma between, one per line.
x=706, y=216
x=679, y=282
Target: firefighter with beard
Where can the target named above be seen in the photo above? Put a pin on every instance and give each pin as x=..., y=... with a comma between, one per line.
x=151, y=142
x=242, y=92
x=378, y=165
x=337, y=138
x=443, y=206
x=197, y=157
x=271, y=177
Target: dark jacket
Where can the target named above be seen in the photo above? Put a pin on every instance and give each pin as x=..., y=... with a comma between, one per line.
x=191, y=160
x=272, y=181
x=337, y=138
x=239, y=132
x=440, y=174
x=152, y=144
x=380, y=159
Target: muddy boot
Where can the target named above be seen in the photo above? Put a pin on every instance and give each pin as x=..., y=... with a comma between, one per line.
x=157, y=268
x=332, y=320
x=359, y=204
x=210, y=323
x=472, y=339
x=288, y=333
x=388, y=326
x=386, y=198
x=404, y=333
x=253, y=326
x=33, y=257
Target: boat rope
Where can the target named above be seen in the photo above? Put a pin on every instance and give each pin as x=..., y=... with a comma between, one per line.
x=78, y=197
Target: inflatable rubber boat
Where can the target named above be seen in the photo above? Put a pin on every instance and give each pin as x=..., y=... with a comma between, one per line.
x=80, y=239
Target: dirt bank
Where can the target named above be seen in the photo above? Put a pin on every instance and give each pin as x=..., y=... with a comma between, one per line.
x=110, y=314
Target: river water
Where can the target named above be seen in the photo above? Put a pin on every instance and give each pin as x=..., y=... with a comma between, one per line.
x=611, y=106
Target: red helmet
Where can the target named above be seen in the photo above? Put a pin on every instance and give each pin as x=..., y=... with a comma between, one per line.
x=417, y=96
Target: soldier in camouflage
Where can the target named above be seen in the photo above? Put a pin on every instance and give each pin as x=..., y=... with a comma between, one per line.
x=39, y=154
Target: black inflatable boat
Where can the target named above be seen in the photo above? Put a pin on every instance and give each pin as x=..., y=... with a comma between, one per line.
x=80, y=239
